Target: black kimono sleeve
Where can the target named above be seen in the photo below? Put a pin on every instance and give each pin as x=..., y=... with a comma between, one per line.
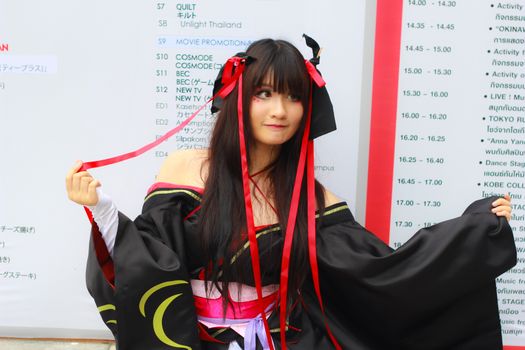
x=437, y=291
x=149, y=303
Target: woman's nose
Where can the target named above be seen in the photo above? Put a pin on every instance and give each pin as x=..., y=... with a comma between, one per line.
x=279, y=107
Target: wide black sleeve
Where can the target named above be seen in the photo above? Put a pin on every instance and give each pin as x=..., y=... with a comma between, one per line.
x=143, y=293
x=437, y=291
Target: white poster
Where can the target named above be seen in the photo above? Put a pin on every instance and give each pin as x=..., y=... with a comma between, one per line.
x=89, y=80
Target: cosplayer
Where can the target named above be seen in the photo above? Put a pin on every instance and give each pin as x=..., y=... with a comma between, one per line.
x=239, y=247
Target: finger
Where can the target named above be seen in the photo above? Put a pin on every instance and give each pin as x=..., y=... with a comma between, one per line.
x=501, y=201
x=84, y=185
x=77, y=178
x=507, y=197
x=504, y=213
x=93, y=185
x=92, y=191
x=496, y=202
x=75, y=182
x=501, y=208
x=70, y=173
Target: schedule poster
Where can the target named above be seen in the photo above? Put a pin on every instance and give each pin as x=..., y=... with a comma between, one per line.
x=91, y=80
x=451, y=104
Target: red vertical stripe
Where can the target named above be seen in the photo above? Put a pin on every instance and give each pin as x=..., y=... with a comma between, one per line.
x=383, y=119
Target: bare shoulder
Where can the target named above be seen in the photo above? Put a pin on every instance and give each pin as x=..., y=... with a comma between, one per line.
x=187, y=167
x=330, y=198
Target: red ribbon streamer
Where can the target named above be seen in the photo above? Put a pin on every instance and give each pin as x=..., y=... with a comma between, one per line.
x=233, y=62
x=312, y=245
x=294, y=205
x=254, y=248
x=310, y=185
x=228, y=69
x=307, y=151
x=102, y=254
x=290, y=226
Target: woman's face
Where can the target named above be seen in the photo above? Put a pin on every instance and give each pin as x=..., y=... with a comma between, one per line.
x=274, y=117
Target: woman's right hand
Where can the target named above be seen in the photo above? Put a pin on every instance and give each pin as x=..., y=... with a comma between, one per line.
x=81, y=186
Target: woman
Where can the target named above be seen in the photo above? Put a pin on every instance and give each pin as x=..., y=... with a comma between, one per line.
x=208, y=265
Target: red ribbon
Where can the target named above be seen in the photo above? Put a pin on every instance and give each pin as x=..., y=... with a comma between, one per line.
x=237, y=62
x=314, y=74
x=229, y=78
x=312, y=245
x=290, y=225
x=310, y=178
x=307, y=151
x=103, y=257
x=254, y=247
x=227, y=72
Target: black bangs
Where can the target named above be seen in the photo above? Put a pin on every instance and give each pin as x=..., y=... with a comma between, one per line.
x=279, y=64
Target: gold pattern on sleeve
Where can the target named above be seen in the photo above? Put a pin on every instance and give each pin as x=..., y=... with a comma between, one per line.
x=158, y=315
x=159, y=192
x=107, y=307
x=277, y=228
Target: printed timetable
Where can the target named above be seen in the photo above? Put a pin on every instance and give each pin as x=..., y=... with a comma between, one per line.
x=460, y=126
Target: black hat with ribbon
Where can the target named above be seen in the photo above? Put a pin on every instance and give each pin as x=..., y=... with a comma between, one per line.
x=323, y=119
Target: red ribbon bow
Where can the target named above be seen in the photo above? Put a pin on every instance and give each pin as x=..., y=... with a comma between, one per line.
x=233, y=68
x=314, y=74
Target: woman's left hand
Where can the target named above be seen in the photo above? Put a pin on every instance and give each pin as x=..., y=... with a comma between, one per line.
x=502, y=207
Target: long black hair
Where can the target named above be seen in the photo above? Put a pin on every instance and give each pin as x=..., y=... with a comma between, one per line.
x=223, y=217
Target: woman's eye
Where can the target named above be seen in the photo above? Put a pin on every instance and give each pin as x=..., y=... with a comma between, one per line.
x=263, y=94
x=294, y=98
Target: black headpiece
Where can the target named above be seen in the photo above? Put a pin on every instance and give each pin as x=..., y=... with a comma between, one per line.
x=323, y=119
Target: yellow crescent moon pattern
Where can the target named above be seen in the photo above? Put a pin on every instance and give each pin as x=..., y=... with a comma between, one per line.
x=153, y=289
x=106, y=307
x=157, y=324
x=159, y=313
